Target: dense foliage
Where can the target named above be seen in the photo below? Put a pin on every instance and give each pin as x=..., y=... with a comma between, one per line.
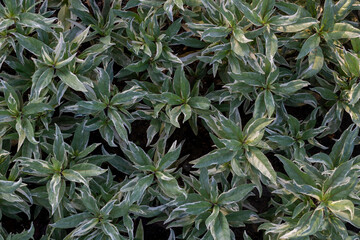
x=179, y=119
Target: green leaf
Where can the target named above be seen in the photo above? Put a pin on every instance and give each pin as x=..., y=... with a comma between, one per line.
x=211, y=219
x=169, y=56
x=215, y=157
x=261, y=163
x=179, y=4
x=137, y=155
x=339, y=227
x=29, y=131
x=72, y=221
x=174, y=28
x=140, y=187
x=343, y=148
x=169, y=185
x=110, y=230
x=270, y=102
x=80, y=139
x=342, y=8
x=240, y=49
x=139, y=232
x=250, y=78
x=343, y=30
x=129, y=225
x=310, y=225
x=354, y=94
x=119, y=123
x=127, y=97
x=220, y=229
x=280, y=20
x=59, y=146
x=169, y=158
x=21, y=132
x=266, y=7
x=337, y=176
x=255, y=127
x=109, y=206
x=215, y=33
x=158, y=50
x=284, y=141
x=314, y=224
x=5, y=23
x=316, y=62
x=239, y=35
x=195, y=208
x=344, y=207
x=55, y=188
x=65, y=62
x=299, y=209
x=199, y=102
x=104, y=83
x=311, y=43
x=88, y=169
x=171, y=98
x=325, y=93
x=70, y=79
x=328, y=20
x=89, y=201
x=305, y=190
x=93, y=106
x=294, y=172
x=294, y=125
x=42, y=78
x=6, y=116
x=33, y=20
x=236, y=194
x=174, y=115
x=36, y=167
x=271, y=44
x=11, y=97
x=186, y=110
x=356, y=220
x=33, y=45
x=301, y=24
x=355, y=43
x=73, y=176
x=75, y=43
x=239, y=217
x=181, y=84
x=214, y=190
x=137, y=67
x=34, y=108
x=259, y=106
x=249, y=14
x=9, y=186
x=352, y=63
x=85, y=227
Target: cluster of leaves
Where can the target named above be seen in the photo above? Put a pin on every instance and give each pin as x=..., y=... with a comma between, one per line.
x=94, y=94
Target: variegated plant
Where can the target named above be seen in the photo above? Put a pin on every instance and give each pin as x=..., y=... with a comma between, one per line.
x=200, y=119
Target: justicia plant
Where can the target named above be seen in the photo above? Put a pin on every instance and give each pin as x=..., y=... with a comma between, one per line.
x=179, y=119
x=211, y=212
x=241, y=147
x=58, y=169
x=319, y=204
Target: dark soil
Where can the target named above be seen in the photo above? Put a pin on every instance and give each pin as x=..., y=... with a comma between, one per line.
x=194, y=146
x=15, y=226
x=40, y=223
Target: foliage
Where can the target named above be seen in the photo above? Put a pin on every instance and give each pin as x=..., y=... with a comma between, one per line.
x=214, y=119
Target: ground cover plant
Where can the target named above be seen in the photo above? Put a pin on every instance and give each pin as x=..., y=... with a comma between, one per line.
x=179, y=119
